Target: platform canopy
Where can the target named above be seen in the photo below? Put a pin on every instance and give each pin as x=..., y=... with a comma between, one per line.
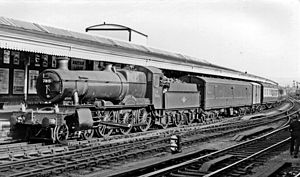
x=32, y=37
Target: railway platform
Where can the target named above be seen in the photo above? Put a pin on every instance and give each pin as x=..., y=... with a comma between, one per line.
x=5, y=115
x=7, y=110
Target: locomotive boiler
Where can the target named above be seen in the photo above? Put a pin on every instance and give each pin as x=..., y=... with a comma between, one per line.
x=54, y=85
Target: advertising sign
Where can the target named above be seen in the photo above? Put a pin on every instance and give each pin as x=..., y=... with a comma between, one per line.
x=45, y=60
x=98, y=66
x=37, y=60
x=53, y=62
x=18, y=84
x=33, y=74
x=78, y=64
x=4, y=80
x=6, y=56
x=16, y=57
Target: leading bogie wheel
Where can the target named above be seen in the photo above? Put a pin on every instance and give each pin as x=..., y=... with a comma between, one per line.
x=88, y=134
x=62, y=133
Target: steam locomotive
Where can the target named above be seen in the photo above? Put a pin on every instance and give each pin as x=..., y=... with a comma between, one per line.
x=132, y=99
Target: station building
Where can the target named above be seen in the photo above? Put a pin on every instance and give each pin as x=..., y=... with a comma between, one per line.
x=26, y=49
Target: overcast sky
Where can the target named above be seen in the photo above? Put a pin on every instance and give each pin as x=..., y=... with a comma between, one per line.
x=260, y=37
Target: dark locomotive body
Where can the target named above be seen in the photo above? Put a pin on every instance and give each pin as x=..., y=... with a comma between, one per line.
x=128, y=100
x=54, y=85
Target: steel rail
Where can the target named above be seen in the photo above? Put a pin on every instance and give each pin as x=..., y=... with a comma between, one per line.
x=222, y=170
x=187, y=163
x=68, y=155
x=69, y=161
x=212, y=136
x=44, y=150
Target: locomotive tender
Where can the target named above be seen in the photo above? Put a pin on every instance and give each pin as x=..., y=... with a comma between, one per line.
x=126, y=99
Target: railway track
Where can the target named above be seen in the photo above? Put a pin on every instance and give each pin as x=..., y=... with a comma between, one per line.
x=103, y=154
x=195, y=140
x=13, y=150
x=19, y=151
x=233, y=161
x=165, y=164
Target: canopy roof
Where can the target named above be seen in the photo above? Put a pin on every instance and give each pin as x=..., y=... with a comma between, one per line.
x=32, y=37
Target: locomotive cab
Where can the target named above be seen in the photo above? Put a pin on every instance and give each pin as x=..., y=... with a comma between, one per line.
x=154, y=89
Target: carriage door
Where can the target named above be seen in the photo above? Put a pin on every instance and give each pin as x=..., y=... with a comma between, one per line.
x=256, y=93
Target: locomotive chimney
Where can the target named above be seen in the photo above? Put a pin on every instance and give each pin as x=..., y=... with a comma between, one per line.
x=63, y=63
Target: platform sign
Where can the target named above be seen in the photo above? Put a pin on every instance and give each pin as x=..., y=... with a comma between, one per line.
x=45, y=61
x=6, y=56
x=18, y=84
x=78, y=64
x=33, y=74
x=53, y=62
x=37, y=59
x=98, y=65
x=4, y=80
x=16, y=57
